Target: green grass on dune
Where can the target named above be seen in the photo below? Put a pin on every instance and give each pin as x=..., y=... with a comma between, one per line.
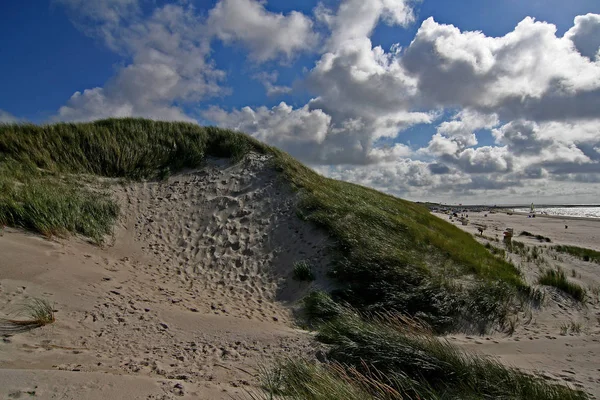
x=131, y=148
x=395, y=255
x=558, y=279
x=404, y=362
x=375, y=226
x=580, y=252
x=45, y=203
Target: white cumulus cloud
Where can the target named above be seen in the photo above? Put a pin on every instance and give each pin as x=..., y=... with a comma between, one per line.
x=356, y=19
x=585, y=35
x=170, y=64
x=269, y=79
x=528, y=73
x=267, y=35
x=294, y=130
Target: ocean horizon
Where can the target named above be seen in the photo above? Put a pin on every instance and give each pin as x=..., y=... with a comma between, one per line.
x=564, y=211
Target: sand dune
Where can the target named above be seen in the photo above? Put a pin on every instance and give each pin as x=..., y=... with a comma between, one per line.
x=191, y=295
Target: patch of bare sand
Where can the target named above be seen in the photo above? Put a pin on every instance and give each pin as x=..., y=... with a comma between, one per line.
x=189, y=298
x=561, y=339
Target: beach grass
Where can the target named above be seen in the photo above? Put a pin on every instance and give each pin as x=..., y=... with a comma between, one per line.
x=303, y=271
x=38, y=311
x=538, y=237
x=319, y=307
x=395, y=358
x=392, y=253
x=557, y=278
x=579, y=252
x=35, y=313
x=304, y=380
x=54, y=208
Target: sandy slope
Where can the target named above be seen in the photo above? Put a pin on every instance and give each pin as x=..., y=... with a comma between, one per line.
x=191, y=295
x=538, y=343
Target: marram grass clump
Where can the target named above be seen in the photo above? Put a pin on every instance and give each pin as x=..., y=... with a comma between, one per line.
x=35, y=313
x=303, y=271
x=580, y=252
x=38, y=311
x=54, y=208
x=392, y=357
x=300, y=379
x=558, y=279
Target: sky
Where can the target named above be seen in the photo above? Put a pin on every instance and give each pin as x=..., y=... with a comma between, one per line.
x=463, y=101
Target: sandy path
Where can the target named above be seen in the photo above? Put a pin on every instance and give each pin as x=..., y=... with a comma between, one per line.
x=191, y=296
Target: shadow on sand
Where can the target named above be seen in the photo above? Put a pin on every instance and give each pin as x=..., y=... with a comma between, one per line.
x=9, y=327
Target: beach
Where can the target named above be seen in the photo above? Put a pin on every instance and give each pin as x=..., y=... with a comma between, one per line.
x=561, y=339
x=582, y=232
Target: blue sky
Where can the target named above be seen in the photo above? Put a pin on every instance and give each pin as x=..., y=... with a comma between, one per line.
x=46, y=58
x=494, y=139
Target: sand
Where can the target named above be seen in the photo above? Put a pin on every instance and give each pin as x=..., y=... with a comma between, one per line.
x=191, y=296
x=538, y=343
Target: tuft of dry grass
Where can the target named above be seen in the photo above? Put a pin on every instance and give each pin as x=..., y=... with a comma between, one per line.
x=35, y=313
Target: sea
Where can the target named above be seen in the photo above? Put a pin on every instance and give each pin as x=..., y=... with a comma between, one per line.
x=571, y=211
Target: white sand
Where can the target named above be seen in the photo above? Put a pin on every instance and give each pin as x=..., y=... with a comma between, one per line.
x=538, y=343
x=191, y=296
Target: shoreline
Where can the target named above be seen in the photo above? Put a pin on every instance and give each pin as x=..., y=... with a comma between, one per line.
x=569, y=218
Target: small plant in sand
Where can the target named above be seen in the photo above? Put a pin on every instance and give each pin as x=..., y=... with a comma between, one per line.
x=33, y=314
x=511, y=324
x=536, y=296
x=303, y=271
x=595, y=291
x=572, y=327
x=575, y=327
x=564, y=329
x=37, y=312
x=558, y=279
